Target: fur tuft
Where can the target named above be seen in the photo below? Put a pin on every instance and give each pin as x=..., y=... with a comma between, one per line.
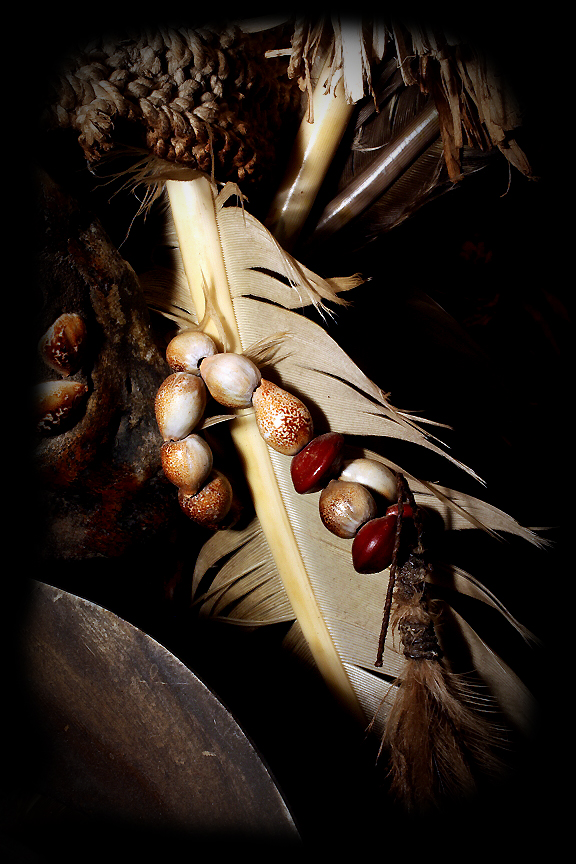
x=436, y=741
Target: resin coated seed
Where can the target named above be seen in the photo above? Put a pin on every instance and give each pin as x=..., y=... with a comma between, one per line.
x=407, y=512
x=179, y=405
x=373, y=545
x=187, y=463
x=345, y=507
x=283, y=420
x=187, y=349
x=231, y=379
x=313, y=466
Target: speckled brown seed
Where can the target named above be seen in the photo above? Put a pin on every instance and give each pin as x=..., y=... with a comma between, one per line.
x=187, y=463
x=345, y=507
x=61, y=347
x=56, y=403
x=211, y=504
x=283, y=420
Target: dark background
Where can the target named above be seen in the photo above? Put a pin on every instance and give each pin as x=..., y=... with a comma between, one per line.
x=494, y=255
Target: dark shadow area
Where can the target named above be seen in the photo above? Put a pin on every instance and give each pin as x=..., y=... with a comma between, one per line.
x=465, y=319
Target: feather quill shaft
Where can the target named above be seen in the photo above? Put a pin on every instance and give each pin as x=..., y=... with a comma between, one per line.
x=384, y=170
x=229, y=257
x=314, y=147
x=192, y=204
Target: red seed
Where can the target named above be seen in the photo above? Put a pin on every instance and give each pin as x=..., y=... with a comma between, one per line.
x=312, y=466
x=407, y=511
x=373, y=545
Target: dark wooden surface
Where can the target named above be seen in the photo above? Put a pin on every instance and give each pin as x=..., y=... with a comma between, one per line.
x=133, y=738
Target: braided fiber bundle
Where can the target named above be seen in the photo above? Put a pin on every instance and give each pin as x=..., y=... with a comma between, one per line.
x=205, y=98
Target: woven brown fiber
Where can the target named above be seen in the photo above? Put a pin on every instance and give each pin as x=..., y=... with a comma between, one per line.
x=206, y=98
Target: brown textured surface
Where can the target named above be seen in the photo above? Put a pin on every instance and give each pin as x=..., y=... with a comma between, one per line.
x=102, y=490
x=205, y=98
x=135, y=738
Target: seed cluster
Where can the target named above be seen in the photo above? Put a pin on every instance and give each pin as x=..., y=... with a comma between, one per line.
x=351, y=491
x=62, y=349
x=352, y=495
x=205, y=495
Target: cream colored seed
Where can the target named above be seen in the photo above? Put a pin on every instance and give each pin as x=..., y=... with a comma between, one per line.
x=187, y=349
x=375, y=475
x=231, y=379
x=179, y=405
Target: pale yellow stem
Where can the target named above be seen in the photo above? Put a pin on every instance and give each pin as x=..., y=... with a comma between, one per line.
x=194, y=216
x=313, y=150
x=192, y=205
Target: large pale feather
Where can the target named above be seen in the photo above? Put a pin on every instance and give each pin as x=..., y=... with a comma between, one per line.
x=285, y=565
x=247, y=588
x=351, y=604
x=508, y=690
x=258, y=269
